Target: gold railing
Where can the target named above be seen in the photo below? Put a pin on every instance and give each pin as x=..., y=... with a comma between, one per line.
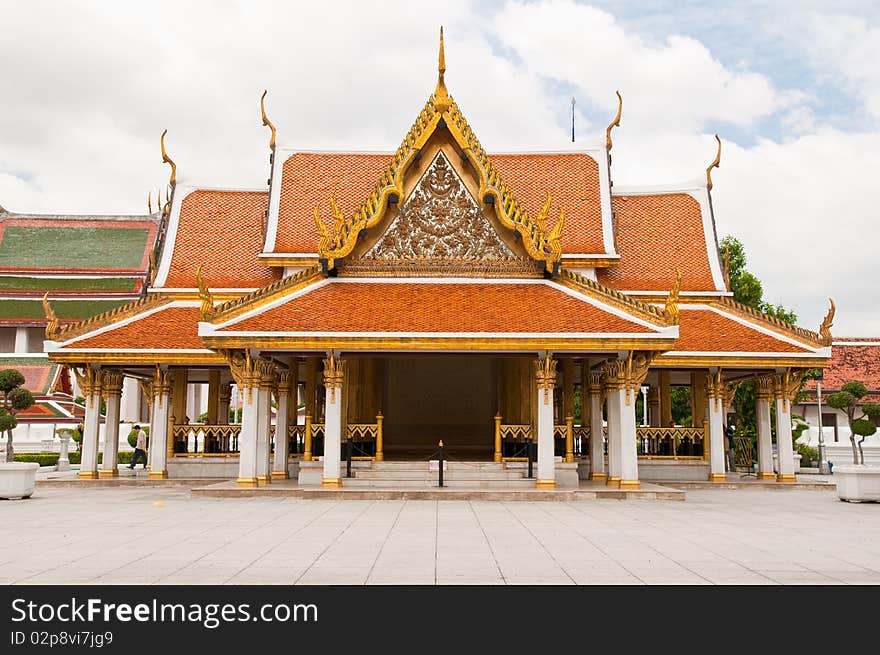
x=205, y=440
x=511, y=441
x=670, y=443
x=367, y=439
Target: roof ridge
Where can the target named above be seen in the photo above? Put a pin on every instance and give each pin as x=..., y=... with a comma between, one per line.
x=757, y=316
x=71, y=330
x=237, y=306
x=616, y=298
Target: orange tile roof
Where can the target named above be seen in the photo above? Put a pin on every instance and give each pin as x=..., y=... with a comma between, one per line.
x=657, y=234
x=430, y=307
x=309, y=178
x=704, y=330
x=859, y=362
x=223, y=232
x=171, y=328
x=572, y=179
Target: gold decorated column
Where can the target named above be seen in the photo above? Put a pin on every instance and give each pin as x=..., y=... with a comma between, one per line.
x=497, y=457
x=665, y=399
x=380, y=437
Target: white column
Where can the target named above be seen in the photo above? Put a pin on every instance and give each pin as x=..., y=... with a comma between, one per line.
x=716, y=438
x=21, y=340
x=264, y=419
x=784, y=448
x=625, y=399
x=90, y=383
x=130, y=406
x=112, y=384
x=279, y=468
x=612, y=405
x=333, y=375
x=763, y=392
x=545, y=378
x=247, y=438
x=597, y=446
x=159, y=423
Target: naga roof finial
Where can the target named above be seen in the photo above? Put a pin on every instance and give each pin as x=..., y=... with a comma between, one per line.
x=441, y=95
x=206, y=309
x=714, y=164
x=615, y=122
x=52, y=320
x=827, y=322
x=671, y=307
x=266, y=120
x=167, y=160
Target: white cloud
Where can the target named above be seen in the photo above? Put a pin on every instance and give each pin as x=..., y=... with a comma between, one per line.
x=91, y=87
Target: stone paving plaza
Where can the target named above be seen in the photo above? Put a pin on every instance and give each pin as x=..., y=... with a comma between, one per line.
x=162, y=535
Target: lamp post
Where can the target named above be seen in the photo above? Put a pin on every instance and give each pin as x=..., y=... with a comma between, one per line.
x=823, y=463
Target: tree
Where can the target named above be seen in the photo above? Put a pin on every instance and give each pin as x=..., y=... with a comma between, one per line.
x=15, y=399
x=849, y=401
x=748, y=290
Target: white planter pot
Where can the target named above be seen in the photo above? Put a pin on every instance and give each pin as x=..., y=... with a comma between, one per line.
x=17, y=479
x=857, y=482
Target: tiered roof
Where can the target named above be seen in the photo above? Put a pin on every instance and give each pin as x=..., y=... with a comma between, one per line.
x=325, y=210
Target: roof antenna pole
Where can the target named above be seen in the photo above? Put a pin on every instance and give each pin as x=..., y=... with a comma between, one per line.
x=572, y=119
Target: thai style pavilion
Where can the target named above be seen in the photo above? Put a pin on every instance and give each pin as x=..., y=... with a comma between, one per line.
x=440, y=293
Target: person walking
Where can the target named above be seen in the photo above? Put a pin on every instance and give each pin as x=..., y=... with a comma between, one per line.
x=140, y=448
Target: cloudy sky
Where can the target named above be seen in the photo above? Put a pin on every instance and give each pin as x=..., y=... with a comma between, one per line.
x=792, y=87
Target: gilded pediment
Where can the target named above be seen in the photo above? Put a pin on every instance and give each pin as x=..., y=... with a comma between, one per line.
x=440, y=228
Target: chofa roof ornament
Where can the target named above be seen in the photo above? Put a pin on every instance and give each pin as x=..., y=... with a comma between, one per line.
x=266, y=120
x=615, y=122
x=714, y=164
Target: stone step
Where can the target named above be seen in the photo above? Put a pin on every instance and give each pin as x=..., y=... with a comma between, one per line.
x=450, y=474
x=523, y=483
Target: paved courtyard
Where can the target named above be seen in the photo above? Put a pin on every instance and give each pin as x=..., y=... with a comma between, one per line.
x=162, y=535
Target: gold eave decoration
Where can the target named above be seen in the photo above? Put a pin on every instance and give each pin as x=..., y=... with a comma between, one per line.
x=270, y=292
x=206, y=309
x=72, y=330
x=439, y=110
x=824, y=328
x=266, y=120
x=714, y=164
x=645, y=311
x=52, y=326
x=808, y=337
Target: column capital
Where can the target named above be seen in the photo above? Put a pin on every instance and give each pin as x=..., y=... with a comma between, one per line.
x=596, y=384
x=248, y=372
x=88, y=379
x=284, y=380
x=111, y=383
x=545, y=375
x=786, y=385
x=224, y=392
x=764, y=387
x=715, y=385
x=334, y=374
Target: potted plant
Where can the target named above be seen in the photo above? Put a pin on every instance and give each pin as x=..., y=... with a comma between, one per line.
x=857, y=482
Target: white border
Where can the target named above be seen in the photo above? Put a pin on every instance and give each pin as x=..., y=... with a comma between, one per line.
x=760, y=328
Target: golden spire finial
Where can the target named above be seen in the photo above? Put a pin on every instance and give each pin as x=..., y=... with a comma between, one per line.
x=206, y=310
x=441, y=95
x=714, y=164
x=266, y=120
x=167, y=160
x=672, y=299
x=615, y=122
x=827, y=322
x=52, y=324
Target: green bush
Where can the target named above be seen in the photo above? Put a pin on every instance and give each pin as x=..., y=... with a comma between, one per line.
x=51, y=459
x=809, y=455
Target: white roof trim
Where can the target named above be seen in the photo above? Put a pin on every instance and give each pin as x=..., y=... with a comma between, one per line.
x=718, y=353
x=186, y=351
x=855, y=343
x=453, y=335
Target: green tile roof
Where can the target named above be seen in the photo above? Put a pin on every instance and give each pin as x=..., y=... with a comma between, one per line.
x=64, y=309
x=116, y=248
x=19, y=283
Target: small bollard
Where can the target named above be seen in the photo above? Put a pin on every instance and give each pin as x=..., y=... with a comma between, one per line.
x=440, y=474
x=348, y=457
x=531, y=457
